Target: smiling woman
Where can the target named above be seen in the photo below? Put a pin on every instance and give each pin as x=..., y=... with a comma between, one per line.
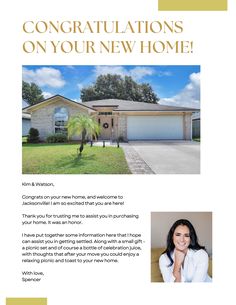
x=184, y=260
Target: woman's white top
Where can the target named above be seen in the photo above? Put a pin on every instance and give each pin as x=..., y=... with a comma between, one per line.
x=194, y=268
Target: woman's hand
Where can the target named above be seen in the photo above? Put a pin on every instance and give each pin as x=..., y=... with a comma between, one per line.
x=179, y=259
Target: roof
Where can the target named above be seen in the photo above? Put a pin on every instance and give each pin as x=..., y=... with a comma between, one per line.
x=123, y=105
x=51, y=99
x=116, y=105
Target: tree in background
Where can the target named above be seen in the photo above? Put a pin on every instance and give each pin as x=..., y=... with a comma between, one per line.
x=31, y=93
x=148, y=94
x=114, y=86
x=84, y=125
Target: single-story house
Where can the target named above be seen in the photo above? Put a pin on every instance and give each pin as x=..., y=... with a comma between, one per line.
x=119, y=119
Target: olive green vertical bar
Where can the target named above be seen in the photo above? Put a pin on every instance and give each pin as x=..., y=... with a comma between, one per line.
x=26, y=301
x=192, y=5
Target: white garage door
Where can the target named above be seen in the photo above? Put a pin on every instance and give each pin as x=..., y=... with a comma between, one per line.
x=155, y=127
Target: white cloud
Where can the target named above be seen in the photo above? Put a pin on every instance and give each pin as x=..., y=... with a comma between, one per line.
x=71, y=67
x=80, y=86
x=102, y=70
x=47, y=94
x=77, y=100
x=189, y=96
x=136, y=73
x=44, y=77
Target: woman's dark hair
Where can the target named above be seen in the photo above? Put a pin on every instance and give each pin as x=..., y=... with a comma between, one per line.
x=193, y=238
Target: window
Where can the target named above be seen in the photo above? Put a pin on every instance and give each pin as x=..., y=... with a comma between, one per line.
x=105, y=113
x=60, y=120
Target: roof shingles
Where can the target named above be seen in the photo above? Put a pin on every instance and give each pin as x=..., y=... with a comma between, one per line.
x=122, y=105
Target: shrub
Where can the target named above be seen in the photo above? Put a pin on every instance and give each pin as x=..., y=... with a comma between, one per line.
x=57, y=138
x=33, y=135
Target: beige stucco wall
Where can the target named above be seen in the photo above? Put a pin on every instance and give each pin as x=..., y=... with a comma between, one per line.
x=43, y=117
x=122, y=127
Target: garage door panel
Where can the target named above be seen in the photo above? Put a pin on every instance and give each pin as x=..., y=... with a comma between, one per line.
x=155, y=127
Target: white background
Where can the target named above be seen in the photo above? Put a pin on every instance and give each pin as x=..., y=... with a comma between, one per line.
x=213, y=34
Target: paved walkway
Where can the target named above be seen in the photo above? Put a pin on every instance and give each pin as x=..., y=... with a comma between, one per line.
x=135, y=163
x=107, y=143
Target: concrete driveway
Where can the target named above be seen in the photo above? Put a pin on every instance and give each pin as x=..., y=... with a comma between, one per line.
x=169, y=157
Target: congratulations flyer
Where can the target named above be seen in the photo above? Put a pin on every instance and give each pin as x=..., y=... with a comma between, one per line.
x=117, y=155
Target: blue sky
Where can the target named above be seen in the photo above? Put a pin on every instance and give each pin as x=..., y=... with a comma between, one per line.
x=175, y=85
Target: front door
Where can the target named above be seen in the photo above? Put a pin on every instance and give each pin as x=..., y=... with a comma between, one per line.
x=106, y=127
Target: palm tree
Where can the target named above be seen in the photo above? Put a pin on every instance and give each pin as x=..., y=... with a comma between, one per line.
x=84, y=125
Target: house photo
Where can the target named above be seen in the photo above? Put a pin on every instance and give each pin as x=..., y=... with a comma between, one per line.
x=140, y=119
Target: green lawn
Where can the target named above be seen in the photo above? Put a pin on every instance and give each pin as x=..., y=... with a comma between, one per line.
x=63, y=159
